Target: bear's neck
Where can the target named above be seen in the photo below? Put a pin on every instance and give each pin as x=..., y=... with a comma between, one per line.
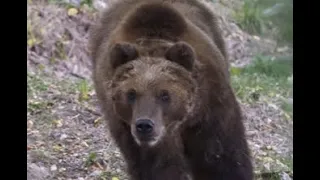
x=153, y=47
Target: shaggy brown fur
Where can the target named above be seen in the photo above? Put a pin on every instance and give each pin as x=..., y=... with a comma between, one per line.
x=164, y=63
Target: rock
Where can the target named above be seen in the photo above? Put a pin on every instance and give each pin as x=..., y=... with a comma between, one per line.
x=53, y=168
x=63, y=136
x=62, y=169
x=73, y=2
x=34, y=172
x=290, y=100
x=95, y=173
x=29, y=124
x=285, y=176
x=99, y=4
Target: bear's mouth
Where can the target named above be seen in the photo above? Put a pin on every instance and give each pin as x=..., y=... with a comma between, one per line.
x=144, y=140
x=147, y=141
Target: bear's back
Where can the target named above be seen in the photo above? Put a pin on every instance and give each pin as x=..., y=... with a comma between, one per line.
x=195, y=12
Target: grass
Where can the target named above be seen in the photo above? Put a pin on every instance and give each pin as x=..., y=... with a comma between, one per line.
x=43, y=94
x=83, y=89
x=271, y=67
x=91, y=159
x=272, y=18
x=276, y=174
x=266, y=78
x=249, y=17
x=88, y=3
x=35, y=85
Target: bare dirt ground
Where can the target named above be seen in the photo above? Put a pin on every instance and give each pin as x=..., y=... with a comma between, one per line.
x=67, y=138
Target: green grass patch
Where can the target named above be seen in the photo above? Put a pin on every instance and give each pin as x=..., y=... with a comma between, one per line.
x=269, y=176
x=272, y=18
x=83, y=89
x=271, y=67
x=287, y=107
x=38, y=107
x=88, y=3
x=288, y=162
x=265, y=78
x=35, y=83
x=91, y=159
x=249, y=17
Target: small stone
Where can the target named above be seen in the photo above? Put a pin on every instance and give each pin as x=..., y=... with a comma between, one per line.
x=282, y=49
x=98, y=4
x=62, y=169
x=53, y=168
x=263, y=154
x=256, y=38
x=84, y=143
x=118, y=170
x=63, y=136
x=285, y=176
x=29, y=124
x=269, y=147
x=267, y=166
x=36, y=172
x=95, y=173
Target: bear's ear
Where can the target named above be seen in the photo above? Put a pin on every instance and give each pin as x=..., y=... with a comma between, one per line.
x=181, y=53
x=122, y=53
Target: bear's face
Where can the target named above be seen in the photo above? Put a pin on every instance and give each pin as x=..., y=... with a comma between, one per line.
x=153, y=95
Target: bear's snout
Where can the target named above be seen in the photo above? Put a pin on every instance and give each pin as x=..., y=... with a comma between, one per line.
x=144, y=127
x=147, y=132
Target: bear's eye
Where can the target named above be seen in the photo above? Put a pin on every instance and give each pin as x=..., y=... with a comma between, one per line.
x=164, y=96
x=131, y=95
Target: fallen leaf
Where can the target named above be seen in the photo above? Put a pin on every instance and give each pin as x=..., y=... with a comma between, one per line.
x=29, y=124
x=42, y=31
x=57, y=148
x=287, y=116
x=31, y=42
x=84, y=144
x=57, y=123
x=98, y=165
x=115, y=178
x=96, y=122
x=72, y=12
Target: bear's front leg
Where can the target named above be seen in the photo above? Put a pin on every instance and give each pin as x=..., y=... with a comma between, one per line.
x=165, y=161
x=174, y=172
x=212, y=156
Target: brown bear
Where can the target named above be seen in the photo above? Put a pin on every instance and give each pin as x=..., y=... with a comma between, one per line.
x=161, y=76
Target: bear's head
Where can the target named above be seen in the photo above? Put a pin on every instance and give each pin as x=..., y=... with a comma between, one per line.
x=152, y=95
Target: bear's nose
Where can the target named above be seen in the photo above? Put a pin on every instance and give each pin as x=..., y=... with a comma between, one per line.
x=144, y=126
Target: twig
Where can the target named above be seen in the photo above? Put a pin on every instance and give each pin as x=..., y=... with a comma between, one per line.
x=77, y=75
x=93, y=111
